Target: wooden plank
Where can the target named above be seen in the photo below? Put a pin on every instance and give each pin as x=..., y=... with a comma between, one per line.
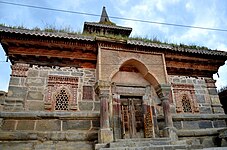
x=52, y=53
x=52, y=44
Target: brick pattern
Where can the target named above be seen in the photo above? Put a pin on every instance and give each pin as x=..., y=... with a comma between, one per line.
x=62, y=93
x=19, y=70
x=185, y=98
x=87, y=93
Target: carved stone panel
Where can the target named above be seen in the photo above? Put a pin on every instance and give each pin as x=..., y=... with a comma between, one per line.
x=61, y=93
x=185, y=98
x=148, y=123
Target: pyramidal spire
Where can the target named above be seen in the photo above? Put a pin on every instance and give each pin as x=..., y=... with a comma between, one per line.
x=104, y=16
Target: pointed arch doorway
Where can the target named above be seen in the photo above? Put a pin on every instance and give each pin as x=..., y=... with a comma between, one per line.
x=133, y=112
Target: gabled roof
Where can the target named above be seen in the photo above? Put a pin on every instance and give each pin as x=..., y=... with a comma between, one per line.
x=177, y=48
x=20, y=32
x=4, y=29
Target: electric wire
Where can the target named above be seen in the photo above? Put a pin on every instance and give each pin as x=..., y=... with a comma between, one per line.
x=119, y=18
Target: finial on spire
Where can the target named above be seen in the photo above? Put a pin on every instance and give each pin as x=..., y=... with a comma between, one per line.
x=104, y=16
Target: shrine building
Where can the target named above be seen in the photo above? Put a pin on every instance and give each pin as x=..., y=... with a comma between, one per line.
x=104, y=90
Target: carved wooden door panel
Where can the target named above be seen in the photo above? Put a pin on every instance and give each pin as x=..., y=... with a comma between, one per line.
x=132, y=118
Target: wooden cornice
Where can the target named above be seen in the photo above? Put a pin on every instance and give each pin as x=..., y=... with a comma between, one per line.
x=52, y=53
x=66, y=45
x=52, y=61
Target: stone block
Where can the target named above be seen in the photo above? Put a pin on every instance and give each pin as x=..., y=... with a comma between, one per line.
x=190, y=125
x=59, y=73
x=177, y=125
x=105, y=136
x=8, y=125
x=25, y=125
x=205, y=110
x=212, y=91
x=65, y=145
x=205, y=124
x=33, y=73
x=84, y=106
x=218, y=110
x=200, y=92
x=45, y=145
x=14, y=81
x=77, y=74
x=34, y=95
x=35, y=105
x=35, y=81
x=48, y=125
x=183, y=81
x=43, y=73
x=219, y=123
x=207, y=142
x=189, y=81
x=200, y=98
x=17, y=92
x=201, y=81
x=215, y=100
x=97, y=106
x=16, y=145
x=95, y=123
x=76, y=125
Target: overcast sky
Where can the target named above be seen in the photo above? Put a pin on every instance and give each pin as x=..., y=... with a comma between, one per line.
x=204, y=13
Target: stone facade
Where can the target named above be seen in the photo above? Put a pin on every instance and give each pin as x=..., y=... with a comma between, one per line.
x=27, y=98
x=96, y=92
x=31, y=91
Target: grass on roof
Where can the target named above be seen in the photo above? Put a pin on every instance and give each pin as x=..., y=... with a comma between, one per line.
x=69, y=30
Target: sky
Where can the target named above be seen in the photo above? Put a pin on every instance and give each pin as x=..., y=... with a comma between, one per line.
x=203, y=13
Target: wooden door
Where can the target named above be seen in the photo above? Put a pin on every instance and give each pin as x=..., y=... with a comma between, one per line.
x=132, y=118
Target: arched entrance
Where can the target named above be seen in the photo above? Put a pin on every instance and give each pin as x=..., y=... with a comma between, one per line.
x=134, y=102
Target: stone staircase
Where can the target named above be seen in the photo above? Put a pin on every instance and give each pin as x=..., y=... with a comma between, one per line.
x=146, y=144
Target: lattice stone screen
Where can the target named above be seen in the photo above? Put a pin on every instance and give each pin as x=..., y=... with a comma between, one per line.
x=61, y=93
x=184, y=95
x=186, y=104
x=62, y=100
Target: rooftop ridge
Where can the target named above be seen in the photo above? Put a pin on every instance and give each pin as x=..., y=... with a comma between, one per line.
x=129, y=40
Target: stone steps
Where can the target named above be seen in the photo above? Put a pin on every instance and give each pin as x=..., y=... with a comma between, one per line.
x=146, y=144
x=139, y=142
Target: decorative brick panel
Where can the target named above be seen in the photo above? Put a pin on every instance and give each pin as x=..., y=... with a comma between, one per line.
x=19, y=70
x=87, y=92
x=185, y=98
x=61, y=93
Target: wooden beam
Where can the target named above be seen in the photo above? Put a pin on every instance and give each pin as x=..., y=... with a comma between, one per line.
x=52, y=53
x=52, y=44
x=192, y=65
x=190, y=72
x=44, y=61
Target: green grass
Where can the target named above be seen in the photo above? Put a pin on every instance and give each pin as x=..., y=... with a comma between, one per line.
x=69, y=30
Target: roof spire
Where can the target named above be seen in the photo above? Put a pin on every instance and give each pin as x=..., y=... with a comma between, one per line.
x=104, y=16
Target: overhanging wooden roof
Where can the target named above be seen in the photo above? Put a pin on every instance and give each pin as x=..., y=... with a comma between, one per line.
x=66, y=49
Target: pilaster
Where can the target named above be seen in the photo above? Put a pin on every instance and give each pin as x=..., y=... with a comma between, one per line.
x=163, y=92
x=15, y=100
x=215, y=101
x=102, y=89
